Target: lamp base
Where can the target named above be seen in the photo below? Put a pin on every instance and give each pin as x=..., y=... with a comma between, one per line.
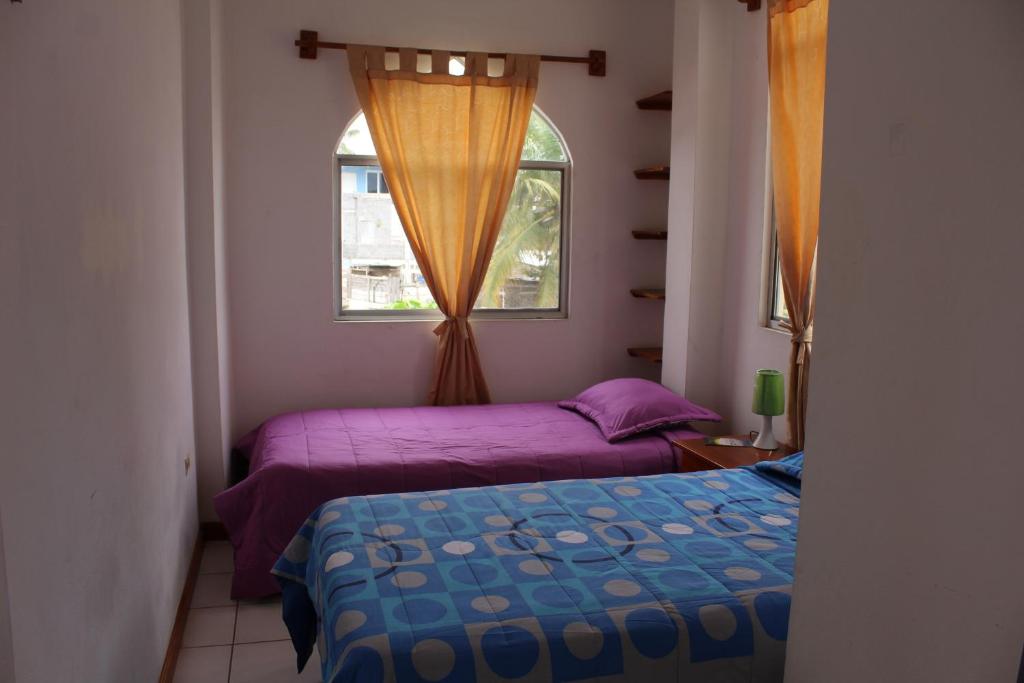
x=766, y=437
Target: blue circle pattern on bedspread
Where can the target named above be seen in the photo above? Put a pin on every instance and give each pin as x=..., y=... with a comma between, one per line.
x=671, y=577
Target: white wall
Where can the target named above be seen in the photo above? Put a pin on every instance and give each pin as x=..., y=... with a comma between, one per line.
x=96, y=415
x=682, y=191
x=745, y=344
x=714, y=340
x=283, y=118
x=207, y=259
x=910, y=550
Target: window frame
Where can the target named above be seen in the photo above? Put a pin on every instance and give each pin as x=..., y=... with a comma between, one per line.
x=775, y=293
x=771, y=287
x=433, y=314
x=378, y=182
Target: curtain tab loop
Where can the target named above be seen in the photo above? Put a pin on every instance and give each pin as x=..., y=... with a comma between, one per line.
x=476, y=63
x=440, y=62
x=407, y=59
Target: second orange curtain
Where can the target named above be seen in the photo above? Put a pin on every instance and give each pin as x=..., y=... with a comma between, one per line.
x=797, y=37
x=449, y=147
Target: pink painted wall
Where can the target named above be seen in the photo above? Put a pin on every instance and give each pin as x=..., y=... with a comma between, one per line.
x=99, y=514
x=6, y=644
x=282, y=120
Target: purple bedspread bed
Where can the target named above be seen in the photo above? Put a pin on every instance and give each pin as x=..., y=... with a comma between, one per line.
x=300, y=460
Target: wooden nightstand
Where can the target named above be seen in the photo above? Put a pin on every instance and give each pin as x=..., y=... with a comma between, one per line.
x=693, y=455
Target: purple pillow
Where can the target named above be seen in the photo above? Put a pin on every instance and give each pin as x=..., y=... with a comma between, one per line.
x=627, y=406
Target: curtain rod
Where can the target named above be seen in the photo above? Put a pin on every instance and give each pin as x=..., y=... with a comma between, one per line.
x=309, y=43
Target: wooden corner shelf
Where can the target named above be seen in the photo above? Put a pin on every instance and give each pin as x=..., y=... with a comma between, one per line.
x=643, y=293
x=659, y=102
x=652, y=173
x=650, y=234
x=649, y=353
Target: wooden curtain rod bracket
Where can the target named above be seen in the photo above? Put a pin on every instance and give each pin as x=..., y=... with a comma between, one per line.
x=308, y=42
x=309, y=45
x=752, y=5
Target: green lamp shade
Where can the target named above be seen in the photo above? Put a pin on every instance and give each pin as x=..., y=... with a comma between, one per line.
x=769, y=393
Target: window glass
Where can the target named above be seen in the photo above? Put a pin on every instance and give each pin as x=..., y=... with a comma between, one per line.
x=377, y=270
x=779, y=310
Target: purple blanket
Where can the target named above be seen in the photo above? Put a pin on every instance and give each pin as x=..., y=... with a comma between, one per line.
x=300, y=460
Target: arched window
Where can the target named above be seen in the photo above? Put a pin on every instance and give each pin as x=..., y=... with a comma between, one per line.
x=377, y=273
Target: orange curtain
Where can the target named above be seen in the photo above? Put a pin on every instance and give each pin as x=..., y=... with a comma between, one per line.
x=797, y=37
x=449, y=147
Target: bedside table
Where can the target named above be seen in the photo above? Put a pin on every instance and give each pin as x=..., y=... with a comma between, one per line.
x=693, y=455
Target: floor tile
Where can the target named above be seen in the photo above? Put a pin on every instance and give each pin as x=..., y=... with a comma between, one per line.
x=203, y=665
x=270, y=663
x=259, y=621
x=209, y=626
x=212, y=590
x=218, y=558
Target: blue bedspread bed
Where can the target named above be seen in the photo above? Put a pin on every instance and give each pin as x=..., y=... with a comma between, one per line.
x=673, y=577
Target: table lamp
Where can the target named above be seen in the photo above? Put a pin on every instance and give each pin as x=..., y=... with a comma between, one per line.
x=769, y=400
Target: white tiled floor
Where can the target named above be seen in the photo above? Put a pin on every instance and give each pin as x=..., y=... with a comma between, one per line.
x=235, y=642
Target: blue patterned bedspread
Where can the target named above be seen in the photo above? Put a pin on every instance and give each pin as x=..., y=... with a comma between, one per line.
x=674, y=577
